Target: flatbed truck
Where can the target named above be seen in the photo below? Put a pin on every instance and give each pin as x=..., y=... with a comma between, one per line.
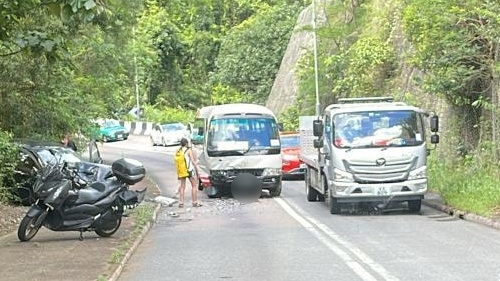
x=367, y=150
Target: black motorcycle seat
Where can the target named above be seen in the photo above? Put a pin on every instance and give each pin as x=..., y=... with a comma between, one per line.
x=99, y=186
x=96, y=191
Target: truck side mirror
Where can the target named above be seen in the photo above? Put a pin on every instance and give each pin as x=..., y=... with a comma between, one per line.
x=434, y=123
x=317, y=128
x=434, y=139
x=280, y=127
x=201, y=132
x=318, y=143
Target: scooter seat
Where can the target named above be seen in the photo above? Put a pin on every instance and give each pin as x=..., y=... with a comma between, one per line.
x=99, y=186
x=95, y=192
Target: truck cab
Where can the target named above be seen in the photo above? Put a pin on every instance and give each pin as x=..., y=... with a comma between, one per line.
x=370, y=150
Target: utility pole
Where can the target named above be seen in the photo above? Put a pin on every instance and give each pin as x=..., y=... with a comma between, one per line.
x=138, y=112
x=315, y=50
x=136, y=82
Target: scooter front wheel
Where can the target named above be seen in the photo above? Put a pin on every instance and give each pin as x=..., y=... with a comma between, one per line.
x=28, y=228
x=108, y=227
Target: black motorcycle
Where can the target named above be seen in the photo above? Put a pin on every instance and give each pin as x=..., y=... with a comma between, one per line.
x=83, y=197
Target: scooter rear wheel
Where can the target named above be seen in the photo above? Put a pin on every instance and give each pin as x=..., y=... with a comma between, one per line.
x=27, y=229
x=106, y=230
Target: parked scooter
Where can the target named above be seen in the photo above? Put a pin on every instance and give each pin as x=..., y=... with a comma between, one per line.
x=86, y=197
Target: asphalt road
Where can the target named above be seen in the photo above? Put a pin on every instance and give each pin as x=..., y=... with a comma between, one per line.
x=288, y=238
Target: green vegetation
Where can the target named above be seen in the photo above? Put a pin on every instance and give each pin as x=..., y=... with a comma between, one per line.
x=469, y=184
x=77, y=60
x=251, y=53
x=8, y=157
x=289, y=119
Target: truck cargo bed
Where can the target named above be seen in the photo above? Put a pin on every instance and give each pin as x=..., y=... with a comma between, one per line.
x=310, y=159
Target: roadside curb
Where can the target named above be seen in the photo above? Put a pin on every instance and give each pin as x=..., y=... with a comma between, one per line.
x=137, y=242
x=462, y=214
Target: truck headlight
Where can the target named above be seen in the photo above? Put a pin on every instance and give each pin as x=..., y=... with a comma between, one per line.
x=343, y=176
x=420, y=173
x=271, y=172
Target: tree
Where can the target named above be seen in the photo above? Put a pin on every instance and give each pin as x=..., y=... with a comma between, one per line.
x=251, y=53
x=456, y=45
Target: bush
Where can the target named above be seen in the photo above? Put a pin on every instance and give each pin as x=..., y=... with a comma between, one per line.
x=468, y=183
x=168, y=114
x=8, y=159
x=290, y=119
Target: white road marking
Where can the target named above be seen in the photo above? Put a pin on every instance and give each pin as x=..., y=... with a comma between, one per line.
x=313, y=225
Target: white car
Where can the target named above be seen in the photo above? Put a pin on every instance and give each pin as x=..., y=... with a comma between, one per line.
x=169, y=134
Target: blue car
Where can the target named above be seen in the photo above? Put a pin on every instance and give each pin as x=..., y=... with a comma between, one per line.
x=112, y=130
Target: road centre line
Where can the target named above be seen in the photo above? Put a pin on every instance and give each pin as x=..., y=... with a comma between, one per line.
x=356, y=251
x=313, y=225
x=355, y=266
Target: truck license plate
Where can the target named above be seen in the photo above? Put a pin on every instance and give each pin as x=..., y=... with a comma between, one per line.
x=383, y=191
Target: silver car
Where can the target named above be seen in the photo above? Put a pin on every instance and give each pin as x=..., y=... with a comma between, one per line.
x=169, y=134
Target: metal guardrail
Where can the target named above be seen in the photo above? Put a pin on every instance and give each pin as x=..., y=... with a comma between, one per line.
x=138, y=127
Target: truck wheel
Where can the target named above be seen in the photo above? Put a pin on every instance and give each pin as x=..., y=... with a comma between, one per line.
x=312, y=194
x=414, y=205
x=213, y=192
x=333, y=204
x=275, y=192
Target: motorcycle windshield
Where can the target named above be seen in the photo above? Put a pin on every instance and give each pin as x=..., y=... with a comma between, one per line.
x=57, y=192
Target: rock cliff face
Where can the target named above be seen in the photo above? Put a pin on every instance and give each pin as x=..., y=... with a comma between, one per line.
x=284, y=90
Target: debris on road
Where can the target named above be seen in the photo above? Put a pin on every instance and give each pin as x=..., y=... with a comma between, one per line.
x=166, y=201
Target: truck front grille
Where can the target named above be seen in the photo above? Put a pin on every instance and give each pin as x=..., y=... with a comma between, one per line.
x=371, y=172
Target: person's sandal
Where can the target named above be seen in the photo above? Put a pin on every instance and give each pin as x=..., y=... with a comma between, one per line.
x=181, y=205
x=197, y=204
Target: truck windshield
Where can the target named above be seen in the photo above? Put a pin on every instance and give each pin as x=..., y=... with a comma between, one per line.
x=378, y=129
x=238, y=136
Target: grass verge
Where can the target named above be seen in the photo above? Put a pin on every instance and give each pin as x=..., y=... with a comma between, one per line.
x=141, y=216
x=470, y=184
